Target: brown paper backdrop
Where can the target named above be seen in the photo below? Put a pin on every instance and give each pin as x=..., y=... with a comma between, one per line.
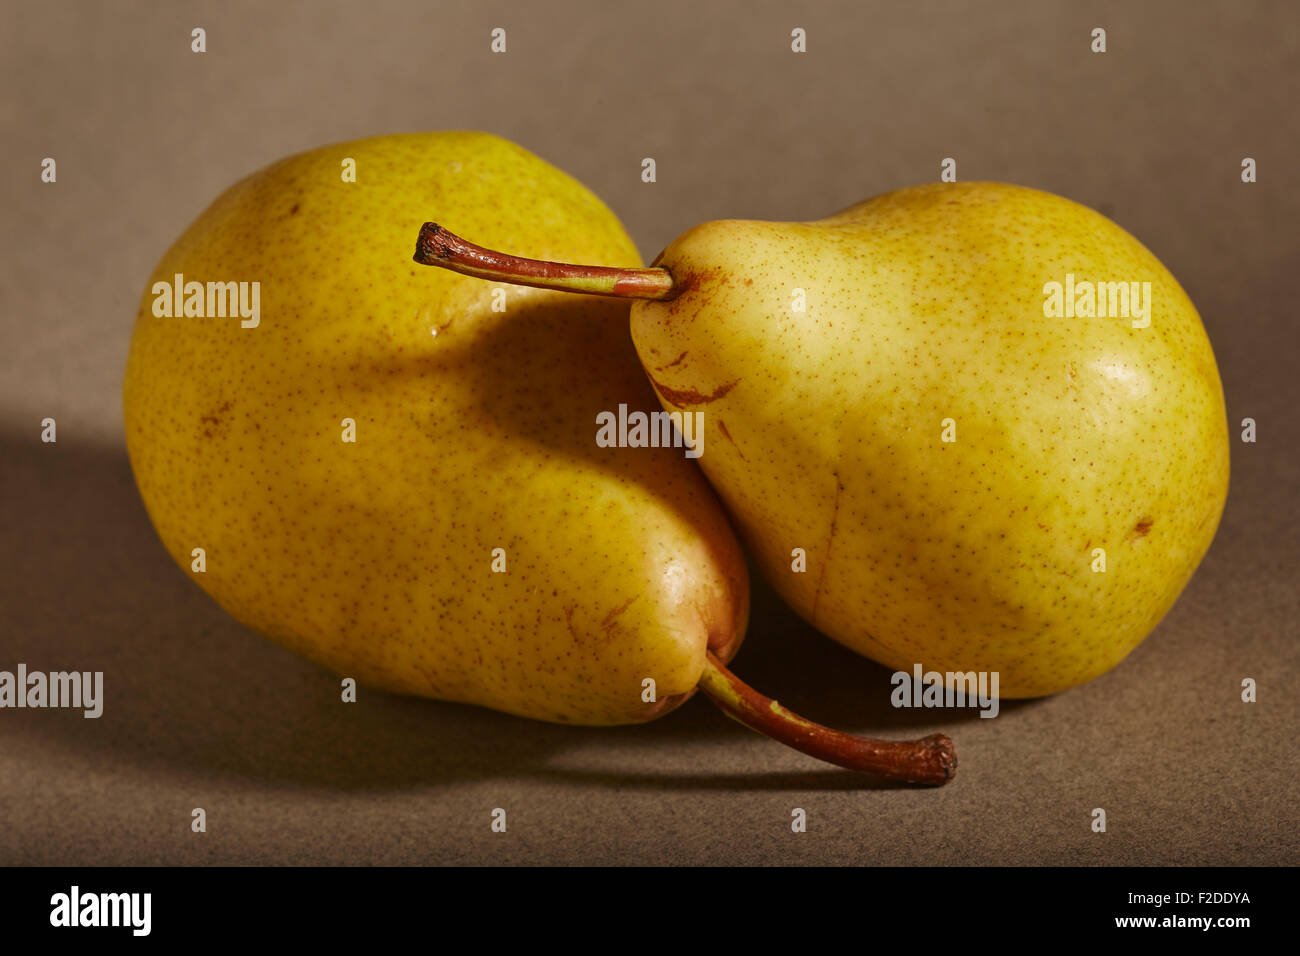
x=201, y=712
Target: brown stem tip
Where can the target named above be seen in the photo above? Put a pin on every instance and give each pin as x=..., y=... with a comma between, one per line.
x=930, y=760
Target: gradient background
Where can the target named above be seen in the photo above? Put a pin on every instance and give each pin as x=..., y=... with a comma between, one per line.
x=201, y=712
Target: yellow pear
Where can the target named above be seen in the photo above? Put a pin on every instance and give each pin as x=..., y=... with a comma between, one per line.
x=395, y=471
x=970, y=426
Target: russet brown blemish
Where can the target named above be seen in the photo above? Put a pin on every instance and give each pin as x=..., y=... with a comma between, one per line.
x=683, y=397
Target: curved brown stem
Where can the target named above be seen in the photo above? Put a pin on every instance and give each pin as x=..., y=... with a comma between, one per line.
x=930, y=760
x=435, y=246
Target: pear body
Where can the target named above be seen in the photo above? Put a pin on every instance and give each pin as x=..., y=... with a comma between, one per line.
x=471, y=542
x=974, y=485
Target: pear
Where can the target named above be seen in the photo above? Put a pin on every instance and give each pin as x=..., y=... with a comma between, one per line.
x=394, y=471
x=970, y=426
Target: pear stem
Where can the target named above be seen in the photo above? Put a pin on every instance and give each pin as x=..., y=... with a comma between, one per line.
x=930, y=760
x=436, y=246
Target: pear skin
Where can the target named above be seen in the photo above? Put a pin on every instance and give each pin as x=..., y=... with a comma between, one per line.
x=975, y=485
x=472, y=543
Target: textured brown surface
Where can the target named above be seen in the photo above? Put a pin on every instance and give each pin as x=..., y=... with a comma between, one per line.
x=200, y=712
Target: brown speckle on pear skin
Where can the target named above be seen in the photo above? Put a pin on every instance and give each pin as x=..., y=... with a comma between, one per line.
x=722, y=427
x=568, y=621
x=676, y=361
x=607, y=623
x=687, y=397
x=213, y=420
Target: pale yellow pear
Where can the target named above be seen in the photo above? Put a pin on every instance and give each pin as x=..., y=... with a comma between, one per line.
x=390, y=476
x=980, y=470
